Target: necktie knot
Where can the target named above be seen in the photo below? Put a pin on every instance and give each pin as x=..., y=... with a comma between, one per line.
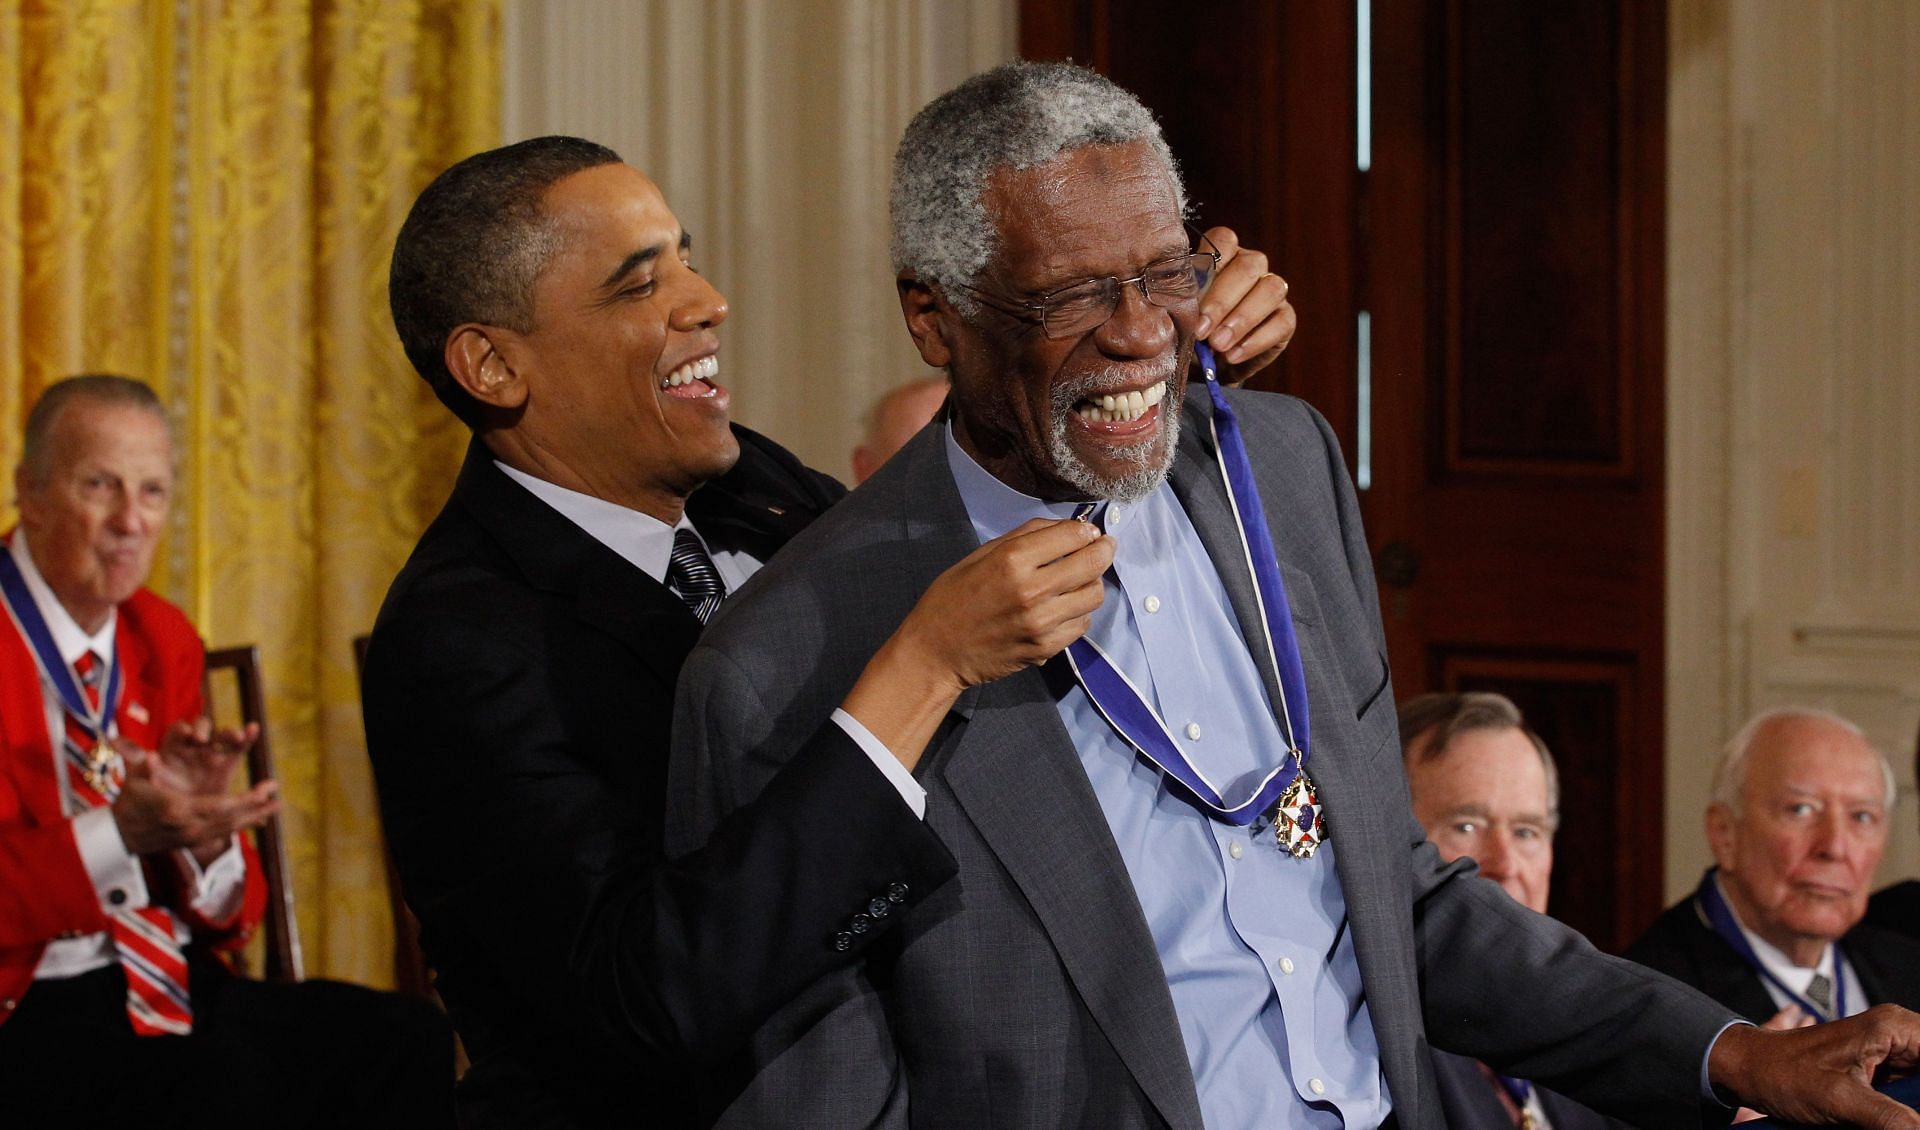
x=692, y=576
x=1820, y=992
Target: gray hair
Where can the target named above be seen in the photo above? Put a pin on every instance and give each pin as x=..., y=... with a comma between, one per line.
x=1730, y=771
x=1017, y=116
x=36, y=448
x=1447, y=716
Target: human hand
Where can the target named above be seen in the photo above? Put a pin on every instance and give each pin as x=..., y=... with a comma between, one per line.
x=155, y=814
x=1244, y=314
x=1786, y=1020
x=197, y=758
x=1014, y=602
x=1821, y=1073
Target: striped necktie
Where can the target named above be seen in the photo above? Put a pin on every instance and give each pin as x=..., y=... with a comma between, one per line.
x=692, y=577
x=1820, y=992
x=143, y=937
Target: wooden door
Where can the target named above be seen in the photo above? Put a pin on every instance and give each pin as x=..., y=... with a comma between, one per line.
x=1496, y=269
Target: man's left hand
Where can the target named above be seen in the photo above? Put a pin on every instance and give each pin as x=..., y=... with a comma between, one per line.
x=1244, y=314
x=1822, y=1074
x=197, y=757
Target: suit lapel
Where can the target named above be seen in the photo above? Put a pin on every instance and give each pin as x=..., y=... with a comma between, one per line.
x=1014, y=773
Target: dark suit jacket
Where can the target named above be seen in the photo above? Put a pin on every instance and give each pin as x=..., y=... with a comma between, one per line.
x=1467, y=1097
x=1030, y=993
x=518, y=694
x=1682, y=945
x=1896, y=908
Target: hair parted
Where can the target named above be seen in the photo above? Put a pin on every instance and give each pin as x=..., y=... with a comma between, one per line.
x=1016, y=116
x=36, y=448
x=472, y=248
x=1730, y=770
x=1447, y=716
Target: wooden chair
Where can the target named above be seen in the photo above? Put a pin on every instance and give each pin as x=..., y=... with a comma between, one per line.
x=281, y=928
x=411, y=974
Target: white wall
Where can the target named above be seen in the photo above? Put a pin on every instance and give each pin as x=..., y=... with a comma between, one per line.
x=770, y=125
x=1793, y=347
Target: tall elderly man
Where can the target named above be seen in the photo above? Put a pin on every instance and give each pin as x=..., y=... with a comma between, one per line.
x=1156, y=922
x=122, y=866
x=1485, y=787
x=1797, y=823
x=519, y=681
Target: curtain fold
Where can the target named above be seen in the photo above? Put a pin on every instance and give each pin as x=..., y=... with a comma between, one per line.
x=204, y=194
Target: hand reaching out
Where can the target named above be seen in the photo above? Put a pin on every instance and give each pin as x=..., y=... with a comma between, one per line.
x=1244, y=314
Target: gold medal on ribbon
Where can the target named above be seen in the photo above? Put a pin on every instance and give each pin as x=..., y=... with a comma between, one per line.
x=1299, y=823
x=100, y=766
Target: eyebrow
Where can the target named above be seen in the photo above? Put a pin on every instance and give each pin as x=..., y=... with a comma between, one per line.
x=641, y=258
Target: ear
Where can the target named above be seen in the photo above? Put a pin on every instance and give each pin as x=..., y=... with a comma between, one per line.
x=1721, y=835
x=480, y=359
x=927, y=321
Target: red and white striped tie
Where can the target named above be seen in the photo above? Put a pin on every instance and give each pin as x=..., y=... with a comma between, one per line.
x=157, y=1003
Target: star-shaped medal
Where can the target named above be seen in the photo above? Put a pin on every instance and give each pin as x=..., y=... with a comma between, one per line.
x=1300, y=823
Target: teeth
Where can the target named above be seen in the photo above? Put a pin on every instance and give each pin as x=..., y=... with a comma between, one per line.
x=700, y=369
x=1120, y=407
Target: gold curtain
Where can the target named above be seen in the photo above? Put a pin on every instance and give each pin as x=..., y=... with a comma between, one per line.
x=203, y=194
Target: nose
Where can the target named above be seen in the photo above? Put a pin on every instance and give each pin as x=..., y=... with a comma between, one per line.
x=127, y=516
x=1830, y=839
x=1137, y=328
x=1495, y=856
x=701, y=306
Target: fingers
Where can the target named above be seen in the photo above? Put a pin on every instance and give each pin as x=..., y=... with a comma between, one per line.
x=220, y=816
x=1863, y=1106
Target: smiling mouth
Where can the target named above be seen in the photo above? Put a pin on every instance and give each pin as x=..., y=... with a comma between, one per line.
x=1121, y=407
x=693, y=380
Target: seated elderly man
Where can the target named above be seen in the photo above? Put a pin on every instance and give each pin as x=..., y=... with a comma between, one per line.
x=122, y=866
x=1484, y=786
x=1797, y=822
x=1189, y=890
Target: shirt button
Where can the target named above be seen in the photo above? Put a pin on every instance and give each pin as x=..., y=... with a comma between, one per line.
x=1193, y=731
x=1316, y=1086
x=1152, y=604
x=1235, y=850
x=1286, y=966
x=117, y=897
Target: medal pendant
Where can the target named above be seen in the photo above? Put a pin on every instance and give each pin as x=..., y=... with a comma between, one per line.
x=1299, y=823
x=100, y=767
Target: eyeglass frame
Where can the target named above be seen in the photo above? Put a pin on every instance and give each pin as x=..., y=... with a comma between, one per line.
x=1035, y=312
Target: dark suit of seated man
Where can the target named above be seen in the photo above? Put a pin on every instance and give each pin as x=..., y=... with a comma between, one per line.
x=1484, y=786
x=1135, y=940
x=123, y=867
x=1897, y=906
x=1797, y=822
x=520, y=677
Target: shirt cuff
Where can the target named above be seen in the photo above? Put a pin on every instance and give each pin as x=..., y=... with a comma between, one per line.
x=115, y=871
x=218, y=887
x=884, y=760
x=1706, y=1081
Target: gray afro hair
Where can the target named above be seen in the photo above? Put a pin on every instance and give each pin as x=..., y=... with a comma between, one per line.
x=1017, y=116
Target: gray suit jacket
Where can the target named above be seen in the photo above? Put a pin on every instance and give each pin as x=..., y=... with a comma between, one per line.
x=1028, y=992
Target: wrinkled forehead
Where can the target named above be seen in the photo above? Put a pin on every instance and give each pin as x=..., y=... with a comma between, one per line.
x=1092, y=209
x=1810, y=757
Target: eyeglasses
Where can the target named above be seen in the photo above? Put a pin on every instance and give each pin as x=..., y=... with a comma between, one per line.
x=1086, y=305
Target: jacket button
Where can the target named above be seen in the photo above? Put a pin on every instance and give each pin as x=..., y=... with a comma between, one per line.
x=879, y=908
x=843, y=941
x=117, y=897
x=860, y=924
x=896, y=892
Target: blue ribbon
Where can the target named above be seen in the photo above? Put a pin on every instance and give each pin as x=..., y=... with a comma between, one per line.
x=1127, y=710
x=1720, y=917
x=55, y=670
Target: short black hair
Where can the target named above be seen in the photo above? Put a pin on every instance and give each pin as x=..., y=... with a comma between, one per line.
x=36, y=449
x=472, y=248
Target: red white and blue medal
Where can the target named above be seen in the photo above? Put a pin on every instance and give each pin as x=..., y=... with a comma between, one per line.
x=1285, y=791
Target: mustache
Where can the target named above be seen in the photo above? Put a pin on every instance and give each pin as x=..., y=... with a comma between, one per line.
x=1107, y=378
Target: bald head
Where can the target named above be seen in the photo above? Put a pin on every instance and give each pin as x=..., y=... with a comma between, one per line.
x=894, y=420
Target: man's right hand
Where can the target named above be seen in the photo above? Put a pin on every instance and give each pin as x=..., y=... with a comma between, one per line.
x=1013, y=603
x=155, y=814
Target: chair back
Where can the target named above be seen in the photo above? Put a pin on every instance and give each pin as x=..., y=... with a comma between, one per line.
x=281, y=928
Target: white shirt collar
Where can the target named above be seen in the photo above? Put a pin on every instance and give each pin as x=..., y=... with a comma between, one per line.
x=643, y=540
x=1775, y=960
x=71, y=640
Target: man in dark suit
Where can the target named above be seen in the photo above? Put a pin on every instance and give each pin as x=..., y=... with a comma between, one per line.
x=1485, y=787
x=1897, y=906
x=1797, y=822
x=1113, y=954
x=518, y=683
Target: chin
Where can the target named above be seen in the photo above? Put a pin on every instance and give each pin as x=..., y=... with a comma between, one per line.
x=1119, y=474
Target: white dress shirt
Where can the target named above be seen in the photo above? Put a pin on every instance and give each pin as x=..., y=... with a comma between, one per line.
x=646, y=543
x=218, y=888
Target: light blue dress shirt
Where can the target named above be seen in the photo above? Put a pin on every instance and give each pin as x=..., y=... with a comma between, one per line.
x=1254, y=942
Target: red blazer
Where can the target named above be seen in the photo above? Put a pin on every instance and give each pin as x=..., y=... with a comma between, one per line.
x=45, y=891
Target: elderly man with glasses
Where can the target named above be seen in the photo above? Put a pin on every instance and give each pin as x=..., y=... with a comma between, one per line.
x=1155, y=923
